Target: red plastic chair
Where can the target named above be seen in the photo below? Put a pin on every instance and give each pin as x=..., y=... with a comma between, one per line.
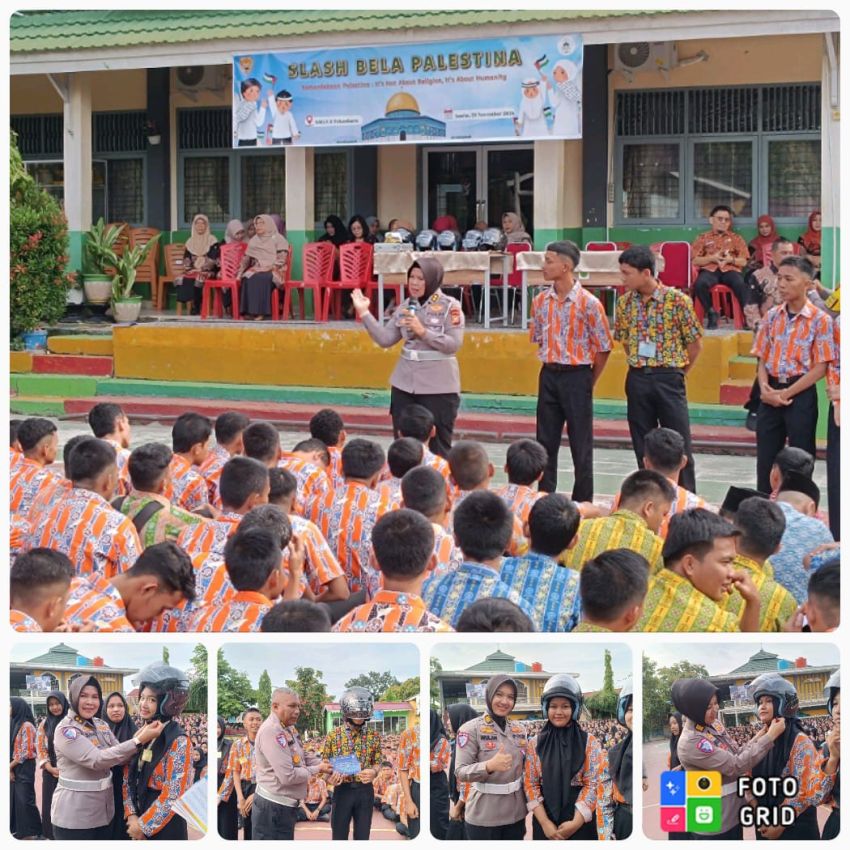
x=600, y=246
x=677, y=264
x=230, y=258
x=287, y=272
x=515, y=277
x=355, y=272
x=317, y=260
x=723, y=300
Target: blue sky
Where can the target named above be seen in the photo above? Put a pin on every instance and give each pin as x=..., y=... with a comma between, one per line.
x=719, y=658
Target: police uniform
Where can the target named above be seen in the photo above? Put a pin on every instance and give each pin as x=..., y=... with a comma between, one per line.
x=496, y=807
x=282, y=770
x=427, y=372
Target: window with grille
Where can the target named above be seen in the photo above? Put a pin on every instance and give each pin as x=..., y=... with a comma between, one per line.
x=206, y=187
x=723, y=174
x=330, y=186
x=651, y=181
x=204, y=129
x=793, y=177
x=263, y=185
x=38, y=135
x=119, y=132
x=126, y=190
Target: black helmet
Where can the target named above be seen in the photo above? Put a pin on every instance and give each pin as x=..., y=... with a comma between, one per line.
x=773, y=685
x=562, y=685
x=624, y=700
x=426, y=240
x=170, y=683
x=830, y=691
x=356, y=704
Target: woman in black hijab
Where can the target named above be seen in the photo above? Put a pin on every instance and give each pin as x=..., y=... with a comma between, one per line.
x=228, y=816
x=565, y=770
x=431, y=325
x=440, y=758
x=337, y=233
x=620, y=758
x=57, y=708
x=116, y=713
x=25, y=822
x=459, y=713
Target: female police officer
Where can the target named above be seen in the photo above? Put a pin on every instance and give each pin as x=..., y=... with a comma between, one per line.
x=431, y=325
x=490, y=755
x=86, y=750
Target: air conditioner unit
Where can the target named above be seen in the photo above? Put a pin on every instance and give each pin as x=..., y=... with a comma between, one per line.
x=191, y=79
x=634, y=56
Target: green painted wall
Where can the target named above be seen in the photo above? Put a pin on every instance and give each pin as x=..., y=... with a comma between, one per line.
x=543, y=236
x=831, y=237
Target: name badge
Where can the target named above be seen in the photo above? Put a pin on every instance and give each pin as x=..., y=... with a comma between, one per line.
x=147, y=756
x=647, y=348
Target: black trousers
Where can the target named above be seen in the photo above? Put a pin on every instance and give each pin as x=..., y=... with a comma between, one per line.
x=352, y=801
x=656, y=398
x=389, y=814
x=273, y=822
x=707, y=280
x=565, y=396
x=833, y=473
x=439, y=805
x=622, y=821
x=323, y=814
x=506, y=832
x=444, y=407
x=48, y=786
x=455, y=832
x=248, y=788
x=413, y=824
x=776, y=426
x=832, y=826
x=228, y=819
x=97, y=833
x=24, y=816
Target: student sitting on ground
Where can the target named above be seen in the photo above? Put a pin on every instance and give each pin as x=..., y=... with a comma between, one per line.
x=790, y=459
x=297, y=615
x=39, y=441
x=424, y=490
x=483, y=526
x=309, y=462
x=550, y=590
x=190, y=442
x=525, y=464
x=40, y=584
x=61, y=485
x=417, y=421
x=403, y=541
x=403, y=455
x=327, y=426
x=821, y=612
x=228, y=443
x=699, y=572
x=109, y=423
x=612, y=589
x=494, y=615
x=733, y=498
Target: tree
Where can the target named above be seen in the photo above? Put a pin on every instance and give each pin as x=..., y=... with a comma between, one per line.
x=198, y=680
x=434, y=690
x=402, y=692
x=235, y=693
x=165, y=654
x=314, y=695
x=374, y=682
x=604, y=702
x=657, y=682
x=264, y=693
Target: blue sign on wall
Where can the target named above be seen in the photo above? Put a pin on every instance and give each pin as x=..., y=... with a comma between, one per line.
x=526, y=87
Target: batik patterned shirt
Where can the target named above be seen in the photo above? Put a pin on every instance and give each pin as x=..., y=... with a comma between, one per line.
x=408, y=752
x=550, y=590
x=673, y=604
x=390, y=611
x=95, y=599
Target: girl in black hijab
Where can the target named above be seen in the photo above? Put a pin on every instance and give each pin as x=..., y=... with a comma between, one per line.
x=116, y=713
x=57, y=708
x=228, y=816
x=440, y=753
x=335, y=231
x=459, y=713
x=565, y=770
x=620, y=757
x=25, y=821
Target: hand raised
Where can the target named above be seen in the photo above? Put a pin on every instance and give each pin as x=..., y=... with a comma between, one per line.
x=360, y=302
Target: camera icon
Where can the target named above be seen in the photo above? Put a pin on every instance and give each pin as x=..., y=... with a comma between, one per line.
x=703, y=783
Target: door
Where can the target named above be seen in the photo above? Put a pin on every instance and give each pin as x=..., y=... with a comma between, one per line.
x=510, y=183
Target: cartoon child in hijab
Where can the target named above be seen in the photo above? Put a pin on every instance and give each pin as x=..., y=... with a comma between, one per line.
x=564, y=90
x=531, y=120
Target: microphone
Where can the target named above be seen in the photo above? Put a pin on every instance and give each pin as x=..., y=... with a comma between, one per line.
x=411, y=304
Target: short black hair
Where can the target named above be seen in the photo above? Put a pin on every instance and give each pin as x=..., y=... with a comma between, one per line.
x=271, y=518
x=261, y=441
x=404, y=454
x=283, y=94
x=802, y=265
x=326, y=425
x=250, y=82
x=229, y=425
x=566, y=248
x=90, y=459
x=14, y=424
x=639, y=257
x=37, y=570
x=416, y=421
x=665, y=449
x=693, y=532
x=103, y=418
x=825, y=586
x=188, y=430
x=171, y=566
x=361, y=459
x=793, y=459
x=251, y=556
x=646, y=484
x=282, y=484
x=311, y=444
x=612, y=582
x=252, y=710
x=762, y=524
x=483, y=525
x=525, y=461
x=148, y=465
x=469, y=463
x=423, y=489
x=721, y=208
x=553, y=523
x=32, y=431
x=70, y=446
x=494, y=614
x=241, y=477
x=403, y=541
x=780, y=240
x=297, y=615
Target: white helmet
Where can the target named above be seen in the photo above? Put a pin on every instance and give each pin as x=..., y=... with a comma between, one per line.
x=833, y=686
x=426, y=240
x=492, y=239
x=447, y=240
x=398, y=236
x=471, y=240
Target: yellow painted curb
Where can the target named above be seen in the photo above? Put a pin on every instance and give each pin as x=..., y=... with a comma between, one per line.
x=93, y=346
x=20, y=361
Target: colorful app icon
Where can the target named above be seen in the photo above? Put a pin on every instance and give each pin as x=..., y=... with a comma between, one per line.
x=704, y=814
x=674, y=818
x=673, y=783
x=691, y=801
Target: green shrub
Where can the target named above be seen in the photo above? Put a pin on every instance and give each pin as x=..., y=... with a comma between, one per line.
x=38, y=237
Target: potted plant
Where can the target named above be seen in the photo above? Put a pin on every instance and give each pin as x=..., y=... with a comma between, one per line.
x=125, y=305
x=100, y=256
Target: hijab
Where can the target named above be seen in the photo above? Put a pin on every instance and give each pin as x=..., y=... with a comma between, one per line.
x=692, y=696
x=810, y=240
x=233, y=227
x=340, y=236
x=21, y=713
x=562, y=751
x=125, y=728
x=279, y=223
x=432, y=271
x=52, y=721
x=201, y=762
x=264, y=248
x=495, y=682
x=199, y=244
x=674, y=741
x=517, y=234
x=437, y=730
x=779, y=754
x=762, y=245
x=75, y=688
x=459, y=713
x=620, y=758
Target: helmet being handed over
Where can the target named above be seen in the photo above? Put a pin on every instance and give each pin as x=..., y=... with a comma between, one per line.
x=624, y=701
x=773, y=685
x=830, y=691
x=562, y=685
x=171, y=684
x=356, y=704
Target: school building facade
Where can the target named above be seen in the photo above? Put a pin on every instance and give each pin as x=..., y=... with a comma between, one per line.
x=127, y=114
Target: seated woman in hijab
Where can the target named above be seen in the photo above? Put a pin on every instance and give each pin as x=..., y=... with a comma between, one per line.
x=566, y=781
x=810, y=241
x=200, y=260
x=116, y=713
x=262, y=269
x=513, y=229
x=235, y=232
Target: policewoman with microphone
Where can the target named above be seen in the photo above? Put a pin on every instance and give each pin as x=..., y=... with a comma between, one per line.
x=431, y=325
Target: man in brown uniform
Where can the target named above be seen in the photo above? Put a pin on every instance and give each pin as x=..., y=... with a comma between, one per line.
x=282, y=770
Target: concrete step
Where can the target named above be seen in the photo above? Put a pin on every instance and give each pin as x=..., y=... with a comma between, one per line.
x=745, y=342
x=743, y=367
x=735, y=392
x=72, y=364
x=82, y=344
